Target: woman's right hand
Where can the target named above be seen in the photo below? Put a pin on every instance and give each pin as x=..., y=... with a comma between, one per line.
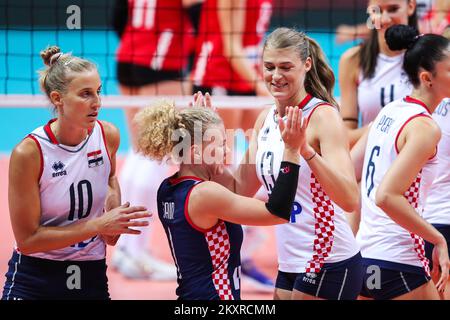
x=294, y=131
x=201, y=100
x=120, y=220
x=441, y=259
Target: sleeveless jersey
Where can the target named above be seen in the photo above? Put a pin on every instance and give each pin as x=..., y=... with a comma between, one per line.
x=389, y=83
x=208, y=261
x=212, y=68
x=437, y=208
x=318, y=231
x=158, y=35
x=73, y=185
x=379, y=236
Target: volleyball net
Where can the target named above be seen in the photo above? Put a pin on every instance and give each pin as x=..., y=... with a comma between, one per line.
x=85, y=28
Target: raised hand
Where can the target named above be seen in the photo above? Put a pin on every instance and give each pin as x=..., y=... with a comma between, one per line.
x=120, y=220
x=294, y=131
x=201, y=100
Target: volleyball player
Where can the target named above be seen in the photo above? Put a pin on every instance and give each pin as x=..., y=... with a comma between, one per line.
x=61, y=180
x=156, y=38
x=433, y=17
x=326, y=263
x=398, y=170
x=379, y=77
x=201, y=217
x=437, y=207
x=228, y=63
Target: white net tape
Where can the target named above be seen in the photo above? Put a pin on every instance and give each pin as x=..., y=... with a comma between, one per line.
x=120, y=101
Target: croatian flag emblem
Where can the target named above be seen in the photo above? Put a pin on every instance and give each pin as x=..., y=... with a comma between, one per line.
x=95, y=158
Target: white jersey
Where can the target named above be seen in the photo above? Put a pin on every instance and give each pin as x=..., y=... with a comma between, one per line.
x=389, y=83
x=318, y=231
x=379, y=236
x=73, y=185
x=437, y=208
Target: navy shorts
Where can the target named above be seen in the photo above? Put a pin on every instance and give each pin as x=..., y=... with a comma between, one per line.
x=132, y=75
x=385, y=280
x=336, y=281
x=445, y=230
x=30, y=278
x=227, y=92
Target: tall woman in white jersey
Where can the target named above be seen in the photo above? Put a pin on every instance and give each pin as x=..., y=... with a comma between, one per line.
x=398, y=169
x=318, y=255
x=379, y=78
x=437, y=207
x=61, y=181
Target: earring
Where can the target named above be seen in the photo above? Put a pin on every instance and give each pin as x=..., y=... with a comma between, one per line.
x=431, y=85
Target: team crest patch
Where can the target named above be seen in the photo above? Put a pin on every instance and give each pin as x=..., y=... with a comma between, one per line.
x=95, y=158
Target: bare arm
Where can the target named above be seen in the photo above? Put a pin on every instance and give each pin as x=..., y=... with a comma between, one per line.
x=333, y=167
x=417, y=143
x=357, y=153
x=209, y=202
x=348, y=83
x=113, y=198
x=232, y=25
x=24, y=205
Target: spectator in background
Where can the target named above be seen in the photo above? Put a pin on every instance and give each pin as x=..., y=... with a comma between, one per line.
x=228, y=63
x=152, y=59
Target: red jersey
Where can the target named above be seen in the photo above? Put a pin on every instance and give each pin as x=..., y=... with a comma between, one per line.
x=425, y=25
x=212, y=68
x=158, y=35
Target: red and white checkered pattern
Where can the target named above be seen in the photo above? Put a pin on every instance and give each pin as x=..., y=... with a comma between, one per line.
x=219, y=248
x=324, y=226
x=412, y=195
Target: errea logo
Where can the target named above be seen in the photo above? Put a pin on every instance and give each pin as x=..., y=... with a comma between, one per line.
x=58, y=167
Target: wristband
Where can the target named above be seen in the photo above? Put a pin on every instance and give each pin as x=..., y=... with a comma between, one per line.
x=283, y=193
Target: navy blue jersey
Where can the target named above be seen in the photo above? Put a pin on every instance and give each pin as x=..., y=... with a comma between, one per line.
x=208, y=260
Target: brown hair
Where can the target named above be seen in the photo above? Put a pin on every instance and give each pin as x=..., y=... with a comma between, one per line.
x=370, y=49
x=320, y=80
x=157, y=124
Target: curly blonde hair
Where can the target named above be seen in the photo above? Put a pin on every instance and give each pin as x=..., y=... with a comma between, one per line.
x=157, y=125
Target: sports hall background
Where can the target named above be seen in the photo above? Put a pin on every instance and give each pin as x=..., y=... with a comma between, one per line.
x=27, y=26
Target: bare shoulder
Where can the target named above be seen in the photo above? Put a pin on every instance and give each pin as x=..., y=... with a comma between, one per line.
x=211, y=196
x=112, y=134
x=351, y=55
x=26, y=150
x=425, y=124
x=210, y=190
x=325, y=113
x=349, y=66
x=26, y=157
